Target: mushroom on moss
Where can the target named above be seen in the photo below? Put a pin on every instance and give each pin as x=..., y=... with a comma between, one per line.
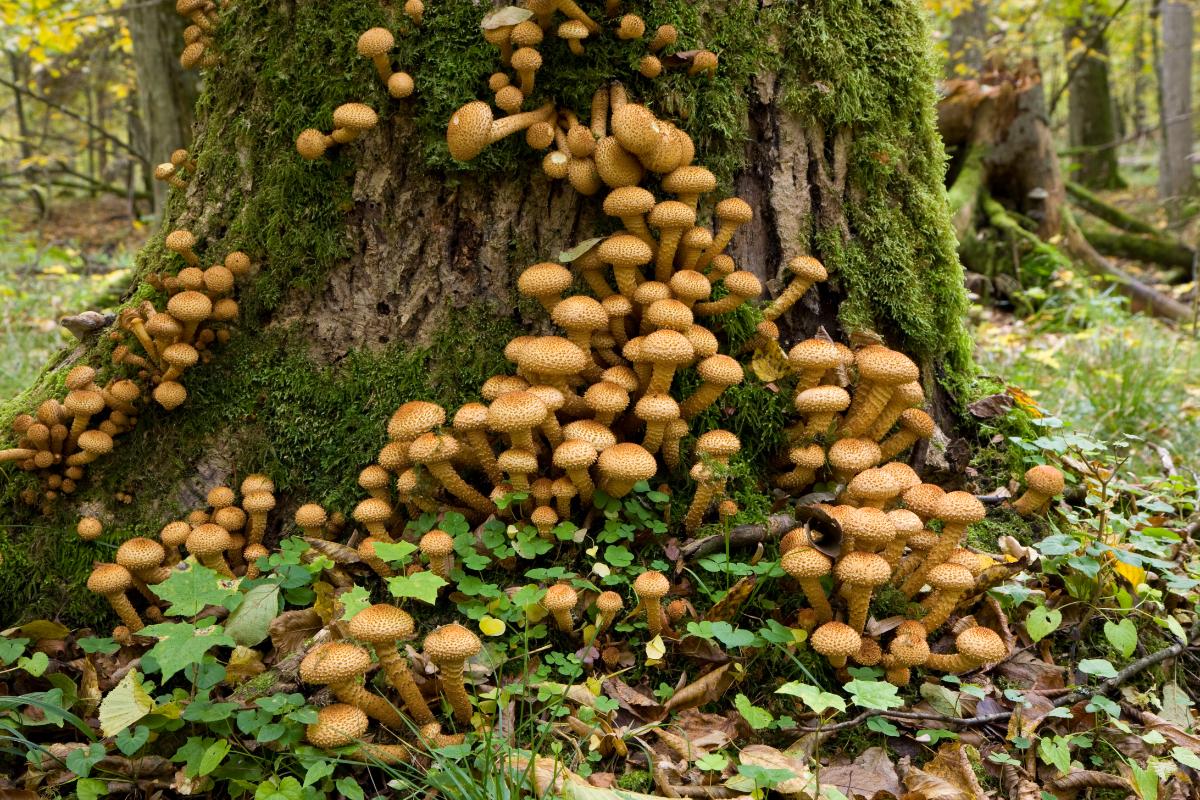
x=375, y=44
x=311, y=144
x=92, y=445
x=89, y=529
x=339, y=665
x=190, y=308
x=806, y=271
x=435, y=452
x=704, y=61
x=545, y=282
x=560, y=601
x=1043, y=483
x=111, y=582
x=450, y=647
x=741, y=285
x=384, y=627
x=574, y=32
x=664, y=36
x=631, y=26
x=472, y=127
x=819, y=405
x=957, y=511
x=144, y=559
x=182, y=242
x=168, y=173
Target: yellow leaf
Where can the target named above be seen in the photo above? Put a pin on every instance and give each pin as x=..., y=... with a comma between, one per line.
x=1134, y=575
x=490, y=626
x=656, y=651
x=769, y=363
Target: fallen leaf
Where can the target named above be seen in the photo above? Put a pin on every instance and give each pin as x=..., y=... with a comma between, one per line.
x=291, y=629
x=244, y=663
x=633, y=701
x=760, y=755
x=992, y=406
x=769, y=363
x=869, y=774
x=952, y=765
x=127, y=703
x=704, y=690
x=1172, y=732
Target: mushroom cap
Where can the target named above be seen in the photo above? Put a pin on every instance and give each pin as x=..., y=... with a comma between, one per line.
x=526, y=34
x=373, y=477
x=627, y=462
x=375, y=42
x=337, y=725
x=703, y=341
x=553, y=356
x=140, y=553
x=609, y=602
x=721, y=370
x=164, y=171
x=862, y=569
x=652, y=584
x=174, y=534
x=960, y=507
x=84, y=402
x=311, y=515
x=575, y=454
x=516, y=411
x=572, y=29
x=208, y=539
x=617, y=305
x=220, y=497
x=257, y=482
x=883, y=366
x=237, y=262
x=162, y=325
x=867, y=525
x=689, y=180
x=452, y=643
x=89, y=528
x=544, y=279
x=622, y=376
x=922, y=539
x=606, y=397
x=526, y=59
x=469, y=131
x=815, y=354
x=381, y=623
x=471, y=417
x=669, y=313
x=873, y=484
x=911, y=393
x=667, y=347
x=718, y=444
x=656, y=408
x=218, y=279
x=258, y=502
x=180, y=240
x=625, y=201
x=690, y=285
x=552, y=397
x=743, y=284
x=905, y=522
x=923, y=499
x=95, y=442
x=517, y=460
x=1045, y=479
x=807, y=457
x=904, y=475
x=311, y=144
x=189, y=306
x=808, y=268
x=624, y=249
x=372, y=510
x=853, y=455
x=109, y=579
x=917, y=421
x=909, y=646
x=436, y=544
x=413, y=418
x=981, y=644
x=805, y=562
x=732, y=209
x=433, y=448
x=580, y=312
x=497, y=385
x=355, y=116
x=672, y=214
x=334, y=662
x=836, y=639
x=950, y=576
x=597, y=435
x=822, y=400
x=79, y=377
x=636, y=128
x=191, y=278
x=231, y=518
x=560, y=597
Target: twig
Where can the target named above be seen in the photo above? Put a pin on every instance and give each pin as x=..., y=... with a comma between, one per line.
x=777, y=525
x=68, y=112
x=1083, y=57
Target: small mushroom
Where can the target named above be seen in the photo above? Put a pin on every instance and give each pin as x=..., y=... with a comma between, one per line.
x=435, y=452
x=560, y=600
x=732, y=213
x=837, y=642
x=111, y=581
x=608, y=605
x=373, y=514
x=631, y=26
x=375, y=44
x=1043, y=483
x=384, y=627
x=975, y=646
x=908, y=649
x=664, y=36
x=182, y=242
x=950, y=582
x=651, y=587
x=861, y=573
x=622, y=465
x=438, y=547
x=574, y=32
x=819, y=405
x=472, y=127
x=450, y=647
x=208, y=543
x=575, y=457
x=808, y=565
x=339, y=665
x=741, y=285
x=671, y=218
x=89, y=529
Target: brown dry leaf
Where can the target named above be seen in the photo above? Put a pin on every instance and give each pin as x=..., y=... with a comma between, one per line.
x=923, y=785
x=712, y=731
x=552, y=779
x=291, y=629
x=702, y=650
x=1172, y=732
x=1018, y=785
x=40, y=629
x=1028, y=671
x=335, y=551
x=868, y=775
x=952, y=765
x=633, y=701
x=731, y=604
x=994, y=405
x=1079, y=780
x=1026, y=719
x=705, y=689
x=18, y=794
x=244, y=663
x=89, y=686
x=760, y=755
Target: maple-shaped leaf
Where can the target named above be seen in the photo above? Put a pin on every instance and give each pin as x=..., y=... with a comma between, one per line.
x=874, y=694
x=420, y=586
x=181, y=644
x=190, y=588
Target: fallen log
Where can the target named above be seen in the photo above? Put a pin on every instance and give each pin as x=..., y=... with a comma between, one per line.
x=1114, y=216
x=1153, y=249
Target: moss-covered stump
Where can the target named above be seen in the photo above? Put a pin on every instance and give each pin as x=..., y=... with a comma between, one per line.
x=386, y=271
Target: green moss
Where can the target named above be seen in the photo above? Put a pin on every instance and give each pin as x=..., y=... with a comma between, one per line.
x=1001, y=521
x=638, y=780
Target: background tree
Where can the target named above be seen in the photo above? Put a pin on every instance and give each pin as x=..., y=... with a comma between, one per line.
x=1175, y=176
x=1092, y=120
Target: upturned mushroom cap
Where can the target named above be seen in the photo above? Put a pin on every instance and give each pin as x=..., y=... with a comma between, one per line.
x=960, y=508
x=689, y=180
x=981, y=644
x=375, y=42
x=874, y=485
x=452, y=643
x=836, y=639
x=862, y=569
x=544, y=279
x=381, y=623
x=815, y=354
x=89, y=529
x=904, y=475
x=1045, y=479
x=651, y=584
x=372, y=511
x=413, y=418
x=950, y=577
x=334, y=662
x=109, y=579
x=337, y=725
x=806, y=562
x=853, y=455
x=189, y=306
x=209, y=539
x=627, y=462
x=718, y=443
x=883, y=366
x=354, y=116
x=560, y=597
x=923, y=499
x=822, y=400
x=140, y=553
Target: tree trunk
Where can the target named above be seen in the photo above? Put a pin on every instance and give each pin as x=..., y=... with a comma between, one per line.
x=1092, y=122
x=166, y=92
x=1175, y=179
x=968, y=39
x=386, y=271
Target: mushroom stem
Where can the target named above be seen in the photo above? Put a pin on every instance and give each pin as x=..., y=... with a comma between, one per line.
x=952, y=663
x=700, y=399
x=859, y=603
x=371, y=704
x=653, y=439
x=948, y=540
x=788, y=298
x=398, y=674
x=449, y=477
x=815, y=594
x=869, y=401
x=703, y=498
x=17, y=454
x=655, y=618
x=124, y=610
x=940, y=604
x=482, y=448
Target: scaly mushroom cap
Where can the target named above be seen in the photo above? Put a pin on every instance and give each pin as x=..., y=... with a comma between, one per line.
x=334, y=662
x=883, y=366
x=917, y=421
x=636, y=128
x=743, y=284
x=471, y=417
x=451, y=643
x=950, y=577
x=981, y=644
x=380, y=624
x=140, y=553
x=180, y=355
x=80, y=377
x=721, y=370
x=625, y=201
x=497, y=385
x=437, y=544
x=337, y=725
x=430, y=448
x=905, y=522
x=178, y=241
x=808, y=457
x=174, y=534
x=909, y=647
x=310, y=515
x=526, y=34
x=95, y=442
x=373, y=478
x=703, y=341
x=822, y=400
x=667, y=347
x=862, y=569
x=624, y=248
x=516, y=411
x=220, y=497
x=544, y=279
x=622, y=376
x=689, y=180
x=836, y=640
x=904, y=475
x=413, y=418
x=606, y=397
x=672, y=214
x=517, y=460
x=258, y=502
x=808, y=268
x=815, y=354
x=869, y=526
x=164, y=171
x=853, y=455
x=651, y=584
x=89, y=529
x=375, y=42
x=218, y=279
x=469, y=131
x=553, y=356
x=805, y=562
x=627, y=462
x=650, y=292
x=923, y=499
x=922, y=539
x=84, y=402
x=590, y=431
x=670, y=314
x=189, y=306
x=731, y=209
x=575, y=454
x=355, y=116
x=961, y=508
x=372, y=511
x=109, y=579
x=656, y=408
x=257, y=482
x=311, y=144
x=719, y=444
x=690, y=286
x=526, y=59
x=572, y=29
x=873, y=485
x=580, y=311
x=208, y=539
x=609, y=602
x=560, y=597
x=1045, y=479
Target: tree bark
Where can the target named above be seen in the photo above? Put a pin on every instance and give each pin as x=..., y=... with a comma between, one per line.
x=968, y=39
x=1091, y=118
x=1175, y=178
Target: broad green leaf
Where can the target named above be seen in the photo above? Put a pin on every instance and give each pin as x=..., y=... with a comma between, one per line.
x=348, y=787
x=1056, y=752
x=490, y=626
x=1122, y=635
x=814, y=697
x=1186, y=757
x=354, y=600
x=44, y=629
x=883, y=725
x=421, y=586
x=181, y=644
x=34, y=664
x=190, y=588
x=11, y=649
x=125, y=704
x=395, y=552
x=130, y=741
x=1042, y=622
x=879, y=695
x=1145, y=780
x=82, y=760
x=1100, y=667
x=213, y=756
x=90, y=788
x=251, y=620
x=757, y=718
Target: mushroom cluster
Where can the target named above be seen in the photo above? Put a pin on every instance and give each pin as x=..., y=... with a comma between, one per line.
x=198, y=37
x=173, y=172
